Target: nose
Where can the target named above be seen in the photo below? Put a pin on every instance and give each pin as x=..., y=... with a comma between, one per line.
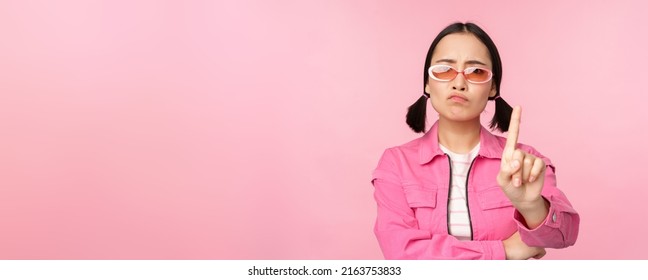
x=459, y=82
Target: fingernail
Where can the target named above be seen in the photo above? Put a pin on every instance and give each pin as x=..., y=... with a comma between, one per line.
x=515, y=164
x=531, y=178
x=516, y=182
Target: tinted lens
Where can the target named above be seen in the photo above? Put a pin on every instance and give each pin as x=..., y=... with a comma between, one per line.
x=478, y=75
x=443, y=72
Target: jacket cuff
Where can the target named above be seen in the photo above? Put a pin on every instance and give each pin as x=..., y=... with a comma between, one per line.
x=552, y=220
x=546, y=231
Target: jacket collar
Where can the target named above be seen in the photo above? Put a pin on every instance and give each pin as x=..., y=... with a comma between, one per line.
x=490, y=146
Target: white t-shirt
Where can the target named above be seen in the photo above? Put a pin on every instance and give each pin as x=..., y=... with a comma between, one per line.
x=459, y=220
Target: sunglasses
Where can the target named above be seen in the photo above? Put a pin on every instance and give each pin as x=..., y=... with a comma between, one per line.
x=445, y=73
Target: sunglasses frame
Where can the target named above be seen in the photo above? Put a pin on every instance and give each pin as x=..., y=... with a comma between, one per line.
x=431, y=74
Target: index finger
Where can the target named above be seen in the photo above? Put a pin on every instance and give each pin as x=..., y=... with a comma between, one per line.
x=514, y=129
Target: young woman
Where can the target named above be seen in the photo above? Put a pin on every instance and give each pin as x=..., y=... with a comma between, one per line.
x=460, y=192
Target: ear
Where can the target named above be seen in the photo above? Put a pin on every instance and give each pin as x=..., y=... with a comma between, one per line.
x=493, y=91
x=427, y=89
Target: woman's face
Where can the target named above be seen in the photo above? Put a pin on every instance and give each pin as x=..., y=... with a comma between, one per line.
x=459, y=99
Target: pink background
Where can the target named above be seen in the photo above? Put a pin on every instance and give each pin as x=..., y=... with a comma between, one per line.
x=249, y=129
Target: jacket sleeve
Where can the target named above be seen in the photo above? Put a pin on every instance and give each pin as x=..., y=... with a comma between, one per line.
x=560, y=227
x=398, y=232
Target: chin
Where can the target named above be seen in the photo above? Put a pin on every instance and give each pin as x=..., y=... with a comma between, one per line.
x=460, y=116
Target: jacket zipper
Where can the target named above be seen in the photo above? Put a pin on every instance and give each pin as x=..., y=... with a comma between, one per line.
x=468, y=204
x=450, y=189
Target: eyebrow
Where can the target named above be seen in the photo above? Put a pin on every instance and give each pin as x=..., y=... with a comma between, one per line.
x=467, y=62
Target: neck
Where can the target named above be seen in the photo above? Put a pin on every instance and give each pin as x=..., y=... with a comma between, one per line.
x=459, y=136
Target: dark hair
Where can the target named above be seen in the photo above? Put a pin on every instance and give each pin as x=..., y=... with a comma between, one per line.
x=416, y=112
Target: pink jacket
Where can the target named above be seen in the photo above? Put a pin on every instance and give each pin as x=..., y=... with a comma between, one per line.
x=411, y=190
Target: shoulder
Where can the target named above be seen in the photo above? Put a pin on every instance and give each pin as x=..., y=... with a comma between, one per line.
x=395, y=157
x=404, y=151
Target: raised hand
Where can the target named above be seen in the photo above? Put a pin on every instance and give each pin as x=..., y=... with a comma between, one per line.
x=521, y=175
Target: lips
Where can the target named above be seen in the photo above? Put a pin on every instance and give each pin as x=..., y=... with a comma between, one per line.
x=458, y=97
